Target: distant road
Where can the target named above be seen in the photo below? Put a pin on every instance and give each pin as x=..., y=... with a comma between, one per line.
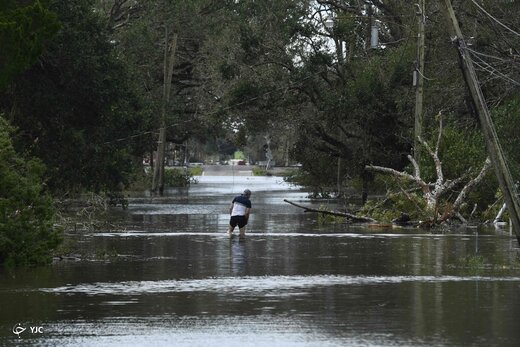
x=236, y=170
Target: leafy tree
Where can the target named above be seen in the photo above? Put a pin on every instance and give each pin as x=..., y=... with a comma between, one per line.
x=23, y=31
x=507, y=119
x=350, y=102
x=138, y=29
x=72, y=106
x=246, y=73
x=27, y=233
x=372, y=88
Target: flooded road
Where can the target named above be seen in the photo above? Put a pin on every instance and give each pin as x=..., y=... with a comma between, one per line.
x=174, y=278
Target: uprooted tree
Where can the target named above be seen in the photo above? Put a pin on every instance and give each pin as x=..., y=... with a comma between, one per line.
x=442, y=199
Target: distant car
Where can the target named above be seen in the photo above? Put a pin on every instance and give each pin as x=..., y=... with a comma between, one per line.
x=237, y=162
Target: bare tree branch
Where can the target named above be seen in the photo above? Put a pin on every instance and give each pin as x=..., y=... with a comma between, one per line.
x=436, y=160
x=396, y=173
x=472, y=183
x=417, y=170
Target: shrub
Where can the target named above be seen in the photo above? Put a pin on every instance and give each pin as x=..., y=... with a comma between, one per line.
x=258, y=171
x=195, y=171
x=27, y=233
x=177, y=178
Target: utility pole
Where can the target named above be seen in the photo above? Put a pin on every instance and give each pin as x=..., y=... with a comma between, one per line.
x=158, y=173
x=370, y=15
x=493, y=146
x=419, y=78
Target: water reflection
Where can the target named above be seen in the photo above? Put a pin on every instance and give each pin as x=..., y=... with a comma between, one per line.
x=238, y=256
x=175, y=278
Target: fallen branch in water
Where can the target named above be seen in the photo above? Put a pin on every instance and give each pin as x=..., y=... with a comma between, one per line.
x=350, y=216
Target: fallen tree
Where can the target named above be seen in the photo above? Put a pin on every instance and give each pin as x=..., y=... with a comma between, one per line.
x=433, y=191
x=349, y=216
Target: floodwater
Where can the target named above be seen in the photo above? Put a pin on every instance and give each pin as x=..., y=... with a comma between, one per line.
x=173, y=278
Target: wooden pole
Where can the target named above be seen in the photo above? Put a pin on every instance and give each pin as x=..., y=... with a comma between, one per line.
x=421, y=15
x=493, y=146
x=158, y=176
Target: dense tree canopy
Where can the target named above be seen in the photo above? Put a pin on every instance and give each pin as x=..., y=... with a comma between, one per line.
x=74, y=102
x=23, y=31
x=247, y=71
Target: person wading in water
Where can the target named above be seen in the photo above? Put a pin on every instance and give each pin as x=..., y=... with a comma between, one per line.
x=239, y=211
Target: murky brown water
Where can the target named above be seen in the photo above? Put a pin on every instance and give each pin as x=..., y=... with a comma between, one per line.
x=177, y=280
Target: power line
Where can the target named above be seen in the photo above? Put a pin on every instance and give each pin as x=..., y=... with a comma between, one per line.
x=489, y=68
x=489, y=56
x=494, y=18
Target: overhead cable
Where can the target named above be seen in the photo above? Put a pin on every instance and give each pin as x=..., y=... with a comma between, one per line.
x=494, y=18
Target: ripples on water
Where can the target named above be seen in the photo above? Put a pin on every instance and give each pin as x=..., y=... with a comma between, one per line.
x=176, y=279
x=253, y=286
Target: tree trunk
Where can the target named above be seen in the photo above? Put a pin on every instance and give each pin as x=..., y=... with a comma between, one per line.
x=364, y=192
x=347, y=215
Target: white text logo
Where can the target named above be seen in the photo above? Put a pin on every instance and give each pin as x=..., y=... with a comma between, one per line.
x=18, y=329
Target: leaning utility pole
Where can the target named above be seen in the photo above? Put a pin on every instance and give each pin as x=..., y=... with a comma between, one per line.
x=493, y=146
x=158, y=172
x=419, y=79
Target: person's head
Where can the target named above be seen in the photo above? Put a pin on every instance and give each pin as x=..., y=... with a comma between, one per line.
x=247, y=193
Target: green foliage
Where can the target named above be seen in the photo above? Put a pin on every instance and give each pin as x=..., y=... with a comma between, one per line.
x=71, y=107
x=139, y=40
x=361, y=117
x=462, y=148
x=139, y=180
x=507, y=121
x=259, y=171
x=27, y=233
x=239, y=155
x=23, y=31
x=313, y=177
x=462, y=154
x=380, y=184
x=394, y=204
x=195, y=171
x=177, y=178
x=324, y=218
